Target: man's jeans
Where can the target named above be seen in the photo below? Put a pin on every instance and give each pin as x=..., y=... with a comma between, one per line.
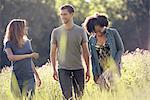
x=69, y=79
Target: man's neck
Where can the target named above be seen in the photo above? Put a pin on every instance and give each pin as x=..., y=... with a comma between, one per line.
x=69, y=25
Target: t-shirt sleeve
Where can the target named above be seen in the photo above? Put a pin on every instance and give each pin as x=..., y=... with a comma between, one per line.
x=53, y=37
x=7, y=45
x=30, y=46
x=84, y=37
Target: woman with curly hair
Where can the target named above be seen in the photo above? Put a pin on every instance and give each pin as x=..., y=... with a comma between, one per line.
x=106, y=49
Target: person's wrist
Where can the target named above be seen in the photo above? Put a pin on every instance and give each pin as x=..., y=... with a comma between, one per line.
x=37, y=78
x=29, y=55
x=54, y=70
x=88, y=69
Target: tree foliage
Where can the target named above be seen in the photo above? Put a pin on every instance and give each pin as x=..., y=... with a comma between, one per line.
x=130, y=17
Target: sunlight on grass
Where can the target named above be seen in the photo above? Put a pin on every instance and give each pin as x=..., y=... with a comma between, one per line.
x=133, y=85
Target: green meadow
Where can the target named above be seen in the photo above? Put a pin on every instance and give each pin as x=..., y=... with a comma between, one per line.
x=133, y=85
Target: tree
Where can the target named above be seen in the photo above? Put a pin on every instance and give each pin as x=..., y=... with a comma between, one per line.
x=41, y=17
x=130, y=17
x=136, y=26
x=2, y=3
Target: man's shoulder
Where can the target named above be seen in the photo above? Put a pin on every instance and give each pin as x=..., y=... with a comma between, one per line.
x=77, y=27
x=57, y=28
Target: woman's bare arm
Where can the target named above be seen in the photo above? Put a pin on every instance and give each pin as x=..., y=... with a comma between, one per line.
x=13, y=57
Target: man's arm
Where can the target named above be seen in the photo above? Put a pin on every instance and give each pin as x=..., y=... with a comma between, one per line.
x=53, y=60
x=86, y=58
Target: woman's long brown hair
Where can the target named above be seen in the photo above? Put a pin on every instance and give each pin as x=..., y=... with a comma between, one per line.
x=16, y=32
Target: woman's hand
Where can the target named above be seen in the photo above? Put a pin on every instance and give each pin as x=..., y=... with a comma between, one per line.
x=38, y=82
x=35, y=55
x=103, y=82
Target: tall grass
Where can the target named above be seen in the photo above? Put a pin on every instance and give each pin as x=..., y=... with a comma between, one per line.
x=133, y=85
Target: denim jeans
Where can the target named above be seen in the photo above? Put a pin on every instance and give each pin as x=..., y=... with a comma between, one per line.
x=69, y=79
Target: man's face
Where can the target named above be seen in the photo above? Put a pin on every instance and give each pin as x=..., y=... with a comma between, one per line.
x=65, y=16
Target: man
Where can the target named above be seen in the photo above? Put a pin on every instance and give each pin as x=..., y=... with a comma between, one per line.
x=70, y=41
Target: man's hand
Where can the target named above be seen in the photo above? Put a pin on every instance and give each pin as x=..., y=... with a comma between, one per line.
x=87, y=75
x=55, y=75
x=86, y=59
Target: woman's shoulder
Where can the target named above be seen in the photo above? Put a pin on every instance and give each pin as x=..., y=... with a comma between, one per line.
x=111, y=30
x=28, y=41
x=92, y=39
x=8, y=42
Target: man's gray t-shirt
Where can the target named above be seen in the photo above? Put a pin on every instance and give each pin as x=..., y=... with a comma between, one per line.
x=69, y=47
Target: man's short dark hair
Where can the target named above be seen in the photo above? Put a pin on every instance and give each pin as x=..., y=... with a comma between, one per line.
x=69, y=7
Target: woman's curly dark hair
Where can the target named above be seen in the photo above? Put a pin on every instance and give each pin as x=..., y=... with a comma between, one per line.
x=91, y=21
x=89, y=24
x=102, y=19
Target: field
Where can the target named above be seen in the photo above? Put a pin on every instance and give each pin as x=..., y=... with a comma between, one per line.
x=133, y=85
